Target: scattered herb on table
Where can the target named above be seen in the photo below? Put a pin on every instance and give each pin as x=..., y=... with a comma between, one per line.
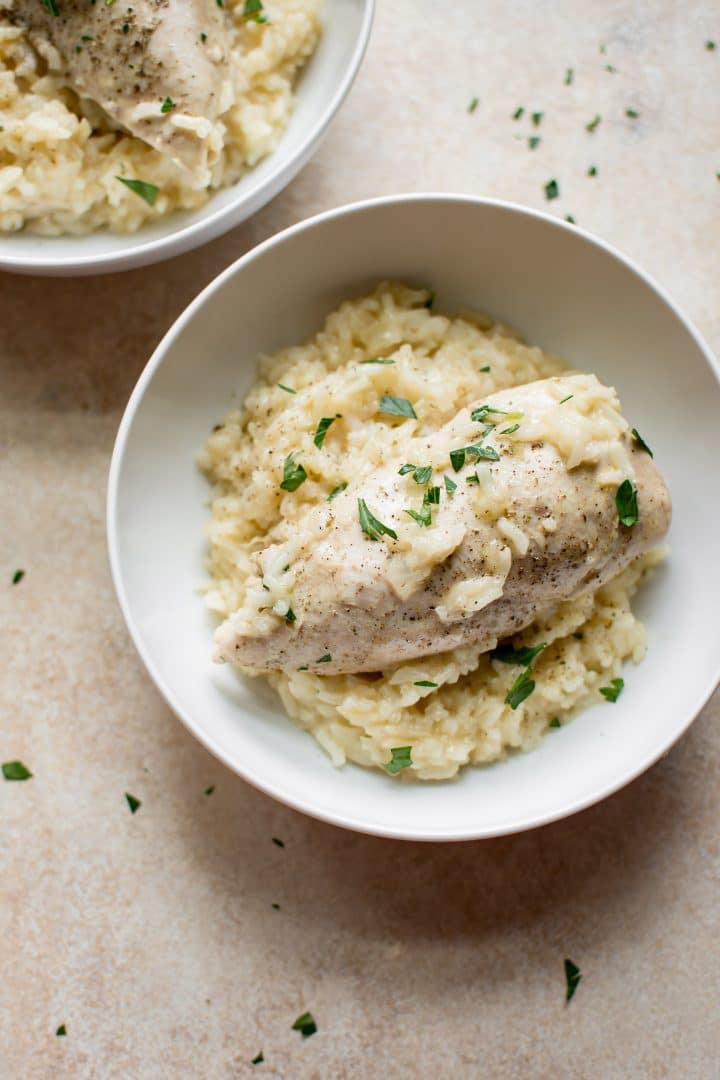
x=523, y=656
x=518, y=112
x=400, y=758
x=396, y=406
x=293, y=475
x=627, y=504
x=711, y=46
x=522, y=688
x=572, y=978
x=534, y=142
x=287, y=389
x=479, y=415
x=473, y=105
x=305, y=1025
x=632, y=114
x=133, y=803
x=146, y=191
x=614, y=690
x=571, y=219
x=62, y=1030
x=592, y=171
x=209, y=790
x=611, y=68
x=591, y=126
x=337, y=491
x=258, y=1059
x=552, y=189
x=637, y=437
x=370, y=525
x=15, y=770
x=278, y=843
x=569, y=76
x=275, y=907
x=18, y=576
x=322, y=429
x=537, y=118
x=426, y=682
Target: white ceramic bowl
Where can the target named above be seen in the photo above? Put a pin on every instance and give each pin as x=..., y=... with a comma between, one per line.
x=322, y=87
x=565, y=291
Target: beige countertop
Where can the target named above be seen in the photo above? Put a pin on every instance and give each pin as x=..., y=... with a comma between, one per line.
x=153, y=937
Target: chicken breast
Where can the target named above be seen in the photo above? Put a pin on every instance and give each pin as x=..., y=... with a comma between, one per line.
x=522, y=511
x=159, y=68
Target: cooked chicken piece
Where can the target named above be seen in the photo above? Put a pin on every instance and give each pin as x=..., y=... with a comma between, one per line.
x=159, y=68
x=519, y=535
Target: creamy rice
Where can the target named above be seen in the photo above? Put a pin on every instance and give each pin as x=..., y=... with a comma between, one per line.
x=59, y=156
x=440, y=360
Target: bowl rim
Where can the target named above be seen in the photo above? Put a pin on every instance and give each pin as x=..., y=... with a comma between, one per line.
x=267, y=786
x=217, y=223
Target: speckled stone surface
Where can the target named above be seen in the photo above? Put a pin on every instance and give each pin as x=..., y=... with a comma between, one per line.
x=153, y=937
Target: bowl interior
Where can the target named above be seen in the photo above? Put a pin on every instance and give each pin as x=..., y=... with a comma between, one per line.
x=565, y=292
x=321, y=87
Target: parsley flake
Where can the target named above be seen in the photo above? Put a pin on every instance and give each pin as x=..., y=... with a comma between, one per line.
x=337, y=491
x=522, y=688
x=523, y=656
x=479, y=415
x=555, y=722
x=148, y=192
x=537, y=118
x=62, y=1030
x=379, y=360
x=51, y=6
x=15, y=770
x=18, y=576
x=627, y=504
x=486, y=368
x=278, y=843
x=305, y=1025
x=637, y=437
x=290, y=616
x=614, y=690
x=167, y=106
x=258, y=1059
x=423, y=516
x=518, y=112
x=133, y=803
x=426, y=682
x=324, y=659
x=473, y=105
x=571, y=219
x=322, y=429
x=572, y=979
x=287, y=389
x=569, y=76
x=632, y=114
x=552, y=189
x=396, y=406
x=450, y=485
x=534, y=142
x=591, y=126
x=592, y=171
x=510, y=430
x=711, y=46
x=563, y=400
x=253, y=10
x=405, y=469
x=400, y=758
x=209, y=790
x=422, y=474
x=293, y=475
x=370, y=525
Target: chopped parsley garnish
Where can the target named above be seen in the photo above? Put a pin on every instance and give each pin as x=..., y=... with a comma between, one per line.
x=396, y=406
x=473, y=479
x=594, y=122
x=290, y=616
x=571, y=219
x=322, y=429
x=148, y=192
x=457, y=459
x=324, y=659
x=18, y=576
x=592, y=171
x=424, y=515
x=534, y=142
x=510, y=430
x=426, y=682
x=422, y=474
x=337, y=491
x=378, y=360
x=611, y=68
x=482, y=453
x=627, y=504
x=275, y=907
x=632, y=114
x=555, y=722
x=287, y=389
x=133, y=803
x=304, y=668
x=552, y=189
x=209, y=790
x=51, y=6
x=637, y=437
x=258, y=1059
x=563, y=400
x=450, y=485
x=15, y=770
x=572, y=978
x=578, y=635
x=62, y=1030
x=614, y=690
x=537, y=118
x=405, y=469
x=711, y=46
x=518, y=112
x=522, y=688
x=569, y=76
x=278, y=843
x=203, y=37
x=252, y=10
x=523, y=656
x=400, y=758
x=305, y=1025
x=479, y=415
x=486, y=368
x=433, y=495
x=370, y=525
x=167, y=106
x=293, y=475
x=473, y=105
